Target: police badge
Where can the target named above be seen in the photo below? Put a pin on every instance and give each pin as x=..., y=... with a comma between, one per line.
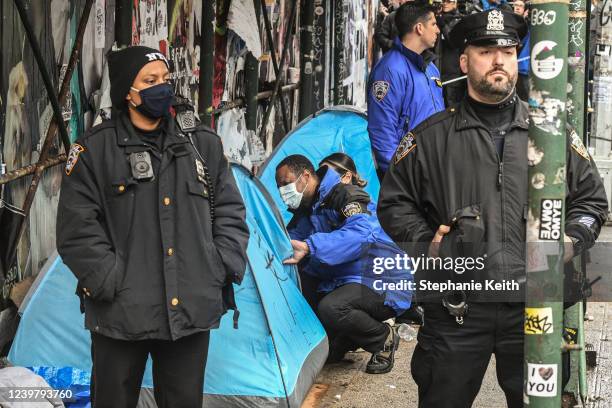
x=495, y=21
x=407, y=145
x=380, y=89
x=578, y=146
x=351, y=208
x=73, y=156
x=200, y=172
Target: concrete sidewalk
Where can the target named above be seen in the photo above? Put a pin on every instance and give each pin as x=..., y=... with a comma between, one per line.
x=350, y=387
x=346, y=385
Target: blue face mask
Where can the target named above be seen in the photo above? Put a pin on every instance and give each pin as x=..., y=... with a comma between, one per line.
x=156, y=100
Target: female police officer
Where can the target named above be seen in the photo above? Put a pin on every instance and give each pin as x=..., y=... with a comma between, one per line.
x=152, y=227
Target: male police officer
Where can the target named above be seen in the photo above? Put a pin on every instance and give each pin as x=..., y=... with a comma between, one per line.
x=404, y=87
x=152, y=225
x=463, y=172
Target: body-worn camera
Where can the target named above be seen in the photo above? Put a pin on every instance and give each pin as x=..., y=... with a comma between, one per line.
x=142, y=169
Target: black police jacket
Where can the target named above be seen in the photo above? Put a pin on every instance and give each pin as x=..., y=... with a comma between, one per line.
x=447, y=171
x=100, y=213
x=449, y=55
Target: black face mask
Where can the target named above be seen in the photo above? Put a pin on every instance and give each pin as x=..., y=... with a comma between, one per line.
x=156, y=100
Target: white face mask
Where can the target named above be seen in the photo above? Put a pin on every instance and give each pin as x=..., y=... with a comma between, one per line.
x=290, y=194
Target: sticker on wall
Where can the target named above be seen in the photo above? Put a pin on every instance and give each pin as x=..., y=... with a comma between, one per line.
x=542, y=380
x=550, y=219
x=544, y=64
x=100, y=24
x=538, y=320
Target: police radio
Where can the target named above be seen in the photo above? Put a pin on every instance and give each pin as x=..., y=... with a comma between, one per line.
x=185, y=114
x=187, y=123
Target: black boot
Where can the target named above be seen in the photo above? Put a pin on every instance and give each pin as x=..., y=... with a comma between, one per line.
x=382, y=361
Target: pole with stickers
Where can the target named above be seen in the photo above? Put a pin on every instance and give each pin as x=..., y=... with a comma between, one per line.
x=576, y=93
x=545, y=222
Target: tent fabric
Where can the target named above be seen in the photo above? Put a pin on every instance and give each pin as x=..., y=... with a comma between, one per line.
x=271, y=359
x=335, y=129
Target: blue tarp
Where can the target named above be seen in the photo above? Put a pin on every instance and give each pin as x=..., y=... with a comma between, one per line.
x=337, y=129
x=272, y=358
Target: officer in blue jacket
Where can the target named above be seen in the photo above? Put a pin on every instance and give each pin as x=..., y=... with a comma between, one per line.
x=338, y=242
x=404, y=87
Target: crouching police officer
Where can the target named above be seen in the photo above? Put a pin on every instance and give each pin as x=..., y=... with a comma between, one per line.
x=461, y=178
x=337, y=235
x=151, y=223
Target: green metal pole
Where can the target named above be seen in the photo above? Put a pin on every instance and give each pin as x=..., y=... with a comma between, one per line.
x=577, y=56
x=545, y=224
x=582, y=375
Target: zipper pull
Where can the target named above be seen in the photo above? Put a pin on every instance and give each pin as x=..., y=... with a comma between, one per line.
x=500, y=173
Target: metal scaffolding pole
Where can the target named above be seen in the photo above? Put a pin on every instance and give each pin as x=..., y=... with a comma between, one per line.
x=277, y=70
x=307, y=66
x=277, y=84
x=545, y=223
x=251, y=81
x=207, y=58
x=56, y=122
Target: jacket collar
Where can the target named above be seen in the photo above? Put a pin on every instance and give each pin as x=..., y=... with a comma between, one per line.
x=329, y=179
x=126, y=136
x=466, y=118
x=420, y=60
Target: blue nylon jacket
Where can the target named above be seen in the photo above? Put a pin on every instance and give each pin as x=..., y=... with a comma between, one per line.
x=523, y=66
x=343, y=249
x=404, y=89
x=486, y=5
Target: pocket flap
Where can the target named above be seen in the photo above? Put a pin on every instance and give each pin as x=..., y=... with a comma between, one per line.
x=199, y=189
x=471, y=211
x=122, y=185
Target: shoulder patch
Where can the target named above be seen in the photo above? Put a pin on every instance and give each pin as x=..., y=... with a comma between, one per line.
x=578, y=146
x=380, y=89
x=407, y=145
x=352, y=208
x=73, y=156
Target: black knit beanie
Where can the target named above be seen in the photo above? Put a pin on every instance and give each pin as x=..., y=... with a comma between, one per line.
x=124, y=65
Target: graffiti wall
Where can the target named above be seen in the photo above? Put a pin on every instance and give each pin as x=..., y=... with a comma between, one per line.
x=174, y=27
x=25, y=112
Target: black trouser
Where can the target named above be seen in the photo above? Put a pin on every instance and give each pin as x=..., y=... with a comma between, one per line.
x=450, y=360
x=178, y=371
x=352, y=316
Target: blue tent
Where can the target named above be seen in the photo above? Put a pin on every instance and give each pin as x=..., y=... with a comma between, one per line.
x=270, y=361
x=335, y=129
